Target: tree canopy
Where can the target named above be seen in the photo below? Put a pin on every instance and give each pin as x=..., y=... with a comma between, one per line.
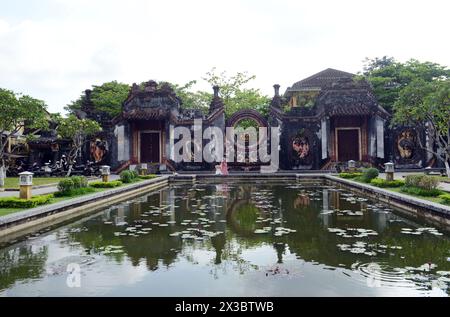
x=427, y=105
x=106, y=98
x=78, y=131
x=19, y=112
x=236, y=96
x=388, y=76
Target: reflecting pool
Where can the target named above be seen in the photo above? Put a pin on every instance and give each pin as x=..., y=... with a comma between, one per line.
x=233, y=239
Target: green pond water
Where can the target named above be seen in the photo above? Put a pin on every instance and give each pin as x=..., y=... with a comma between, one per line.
x=233, y=239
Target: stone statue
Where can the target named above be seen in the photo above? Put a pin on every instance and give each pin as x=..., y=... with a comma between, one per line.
x=406, y=144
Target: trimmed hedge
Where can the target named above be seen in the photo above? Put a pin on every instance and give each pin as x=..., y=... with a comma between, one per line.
x=129, y=176
x=75, y=192
x=14, y=202
x=369, y=174
x=65, y=185
x=445, y=199
x=106, y=185
x=79, y=182
x=151, y=176
x=421, y=191
x=349, y=175
x=425, y=182
x=382, y=183
x=69, y=184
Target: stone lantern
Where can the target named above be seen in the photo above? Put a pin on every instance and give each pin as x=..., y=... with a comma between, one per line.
x=25, y=183
x=352, y=166
x=389, y=169
x=106, y=171
x=143, y=169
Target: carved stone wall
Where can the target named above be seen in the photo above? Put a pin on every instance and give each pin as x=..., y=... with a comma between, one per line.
x=300, y=145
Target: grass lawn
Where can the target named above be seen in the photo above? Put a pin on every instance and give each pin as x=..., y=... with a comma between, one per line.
x=7, y=211
x=399, y=190
x=13, y=182
x=433, y=199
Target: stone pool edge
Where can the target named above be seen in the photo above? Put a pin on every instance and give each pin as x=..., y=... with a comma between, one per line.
x=51, y=214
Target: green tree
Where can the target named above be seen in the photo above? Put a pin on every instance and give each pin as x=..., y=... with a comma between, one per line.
x=17, y=113
x=427, y=105
x=232, y=90
x=234, y=93
x=106, y=99
x=191, y=100
x=78, y=131
x=388, y=76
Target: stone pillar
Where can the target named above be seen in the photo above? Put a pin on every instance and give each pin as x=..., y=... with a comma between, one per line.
x=380, y=137
x=2, y=176
x=324, y=137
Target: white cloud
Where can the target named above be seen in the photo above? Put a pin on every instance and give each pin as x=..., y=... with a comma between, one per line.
x=55, y=56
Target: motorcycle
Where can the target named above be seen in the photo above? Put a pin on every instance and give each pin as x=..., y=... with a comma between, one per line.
x=14, y=171
x=92, y=169
x=58, y=169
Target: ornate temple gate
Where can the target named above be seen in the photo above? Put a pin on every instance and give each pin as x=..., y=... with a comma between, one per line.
x=261, y=122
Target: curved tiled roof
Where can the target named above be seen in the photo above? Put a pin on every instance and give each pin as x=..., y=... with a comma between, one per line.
x=339, y=94
x=347, y=97
x=321, y=80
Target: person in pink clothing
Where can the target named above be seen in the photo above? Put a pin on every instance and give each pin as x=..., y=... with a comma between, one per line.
x=224, y=167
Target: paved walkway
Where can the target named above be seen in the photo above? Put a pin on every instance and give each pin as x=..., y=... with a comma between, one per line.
x=48, y=190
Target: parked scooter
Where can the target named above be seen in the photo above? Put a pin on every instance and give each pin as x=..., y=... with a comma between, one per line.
x=14, y=171
x=58, y=169
x=92, y=169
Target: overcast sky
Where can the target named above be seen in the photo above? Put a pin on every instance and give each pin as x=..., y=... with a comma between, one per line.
x=54, y=49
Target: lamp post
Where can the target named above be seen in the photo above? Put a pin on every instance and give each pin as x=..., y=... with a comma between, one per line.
x=106, y=171
x=389, y=169
x=352, y=166
x=25, y=183
x=143, y=169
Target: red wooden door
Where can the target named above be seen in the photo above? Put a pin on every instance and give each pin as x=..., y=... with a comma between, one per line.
x=150, y=147
x=348, y=145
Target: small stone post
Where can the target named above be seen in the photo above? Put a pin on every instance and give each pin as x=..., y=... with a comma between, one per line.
x=25, y=183
x=106, y=171
x=352, y=166
x=389, y=169
x=143, y=169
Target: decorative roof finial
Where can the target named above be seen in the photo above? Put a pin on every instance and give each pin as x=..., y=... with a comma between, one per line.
x=216, y=102
x=277, y=90
x=216, y=91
